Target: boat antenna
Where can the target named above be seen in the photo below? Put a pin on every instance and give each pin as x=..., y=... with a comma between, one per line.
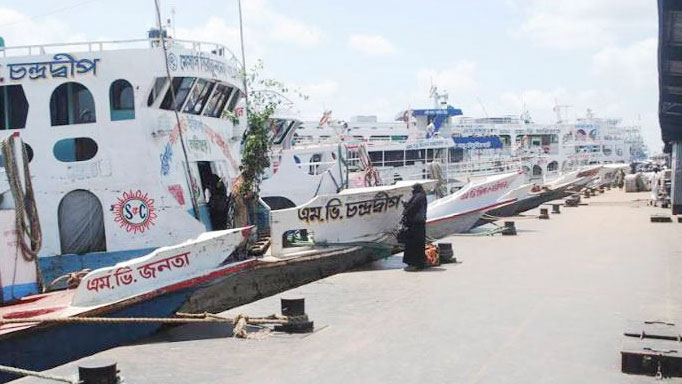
x=241, y=38
x=188, y=176
x=482, y=106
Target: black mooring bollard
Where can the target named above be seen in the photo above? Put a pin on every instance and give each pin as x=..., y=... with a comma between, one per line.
x=294, y=308
x=509, y=228
x=98, y=372
x=573, y=200
x=608, y=187
x=555, y=208
x=445, y=253
x=593, y=193
x=544, y=215
x=586, y=194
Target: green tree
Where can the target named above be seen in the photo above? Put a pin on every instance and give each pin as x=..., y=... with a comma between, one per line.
x=264, y=97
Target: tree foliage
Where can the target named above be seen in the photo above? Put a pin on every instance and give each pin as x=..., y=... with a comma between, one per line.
x=264, y=97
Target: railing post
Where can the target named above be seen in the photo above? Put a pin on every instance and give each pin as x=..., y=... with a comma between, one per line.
x=676, y=188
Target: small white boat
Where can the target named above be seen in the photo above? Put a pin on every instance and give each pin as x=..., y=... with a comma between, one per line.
x=351, y=217
x=460, y=211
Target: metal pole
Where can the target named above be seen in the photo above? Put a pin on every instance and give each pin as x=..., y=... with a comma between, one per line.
x=676, y=188
x=188, y=175
x=241, y=38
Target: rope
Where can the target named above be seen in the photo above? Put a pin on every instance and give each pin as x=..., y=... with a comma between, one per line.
x=40, y=375
x=239, y=323
x=27, y=222
x=24, y=200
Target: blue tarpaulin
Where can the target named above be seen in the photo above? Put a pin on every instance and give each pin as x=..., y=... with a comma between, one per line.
x=437, y=115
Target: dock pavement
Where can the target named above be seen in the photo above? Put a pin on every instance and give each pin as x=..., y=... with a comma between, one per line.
x=546, y=306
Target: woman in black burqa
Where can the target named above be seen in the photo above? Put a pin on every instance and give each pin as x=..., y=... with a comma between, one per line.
x=218, y=203
x=414, y=220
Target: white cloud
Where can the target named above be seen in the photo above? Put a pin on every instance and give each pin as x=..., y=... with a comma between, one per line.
x=263, y=25
x=457, y=79
x=42, y=31
x=371, y=45
x=585, y=23
x=217, y=30
x=634, y=64
x=321, y=89
x=277, y=26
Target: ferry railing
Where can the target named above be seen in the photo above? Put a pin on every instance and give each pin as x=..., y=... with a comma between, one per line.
x=112, y=45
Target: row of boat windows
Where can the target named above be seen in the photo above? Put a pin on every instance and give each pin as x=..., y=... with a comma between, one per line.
x=73, y=103
x=194, y=96
x=70, y=103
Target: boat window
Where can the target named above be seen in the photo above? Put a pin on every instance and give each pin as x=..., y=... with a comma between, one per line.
x=159, y=85
x=181, y=86
x=537, y=170
x=413, y=155
x=72, y=103
x=380, y=138
x=234, y=100
x=552, y=166
x=197, y=97
x=377, y=158
x=29, y=154
x=81, y=223
x=13, y=107
x=279, y=130
x=394, y=158
x=455, y=154
x=75, y=149
x=121, y=100
x=217, y=102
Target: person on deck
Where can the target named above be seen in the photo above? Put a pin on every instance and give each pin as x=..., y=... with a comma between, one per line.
x=414, y=218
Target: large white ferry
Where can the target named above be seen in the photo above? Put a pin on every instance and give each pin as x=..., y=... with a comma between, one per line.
x=479, y=143
x=119, y=165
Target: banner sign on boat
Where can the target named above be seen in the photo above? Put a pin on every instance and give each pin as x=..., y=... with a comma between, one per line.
x=62, y=65
x=333, y=210
x=477, y=142
x=486, y=189
x=198, y=62
x=429, y=143
x=126, y=275
x=135, y=211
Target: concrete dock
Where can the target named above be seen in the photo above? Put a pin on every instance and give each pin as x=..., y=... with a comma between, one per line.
x=547, y=306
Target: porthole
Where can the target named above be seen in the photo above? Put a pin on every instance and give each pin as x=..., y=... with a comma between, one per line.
x=75, y=149
x=29, y=154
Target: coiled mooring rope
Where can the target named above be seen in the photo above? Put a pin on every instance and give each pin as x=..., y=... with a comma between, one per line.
x=26, y=218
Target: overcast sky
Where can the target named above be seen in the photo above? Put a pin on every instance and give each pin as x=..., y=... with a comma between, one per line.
x=379, y=56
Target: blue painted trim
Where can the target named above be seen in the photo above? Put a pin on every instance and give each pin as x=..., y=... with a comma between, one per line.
x=204, y=216
x=41, y=349
x=17, y=291
x=55, y=266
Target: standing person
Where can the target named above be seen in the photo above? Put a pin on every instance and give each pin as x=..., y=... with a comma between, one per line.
x=655, y=181
x=218, y=203
x=414, y=217
x=621, y=178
